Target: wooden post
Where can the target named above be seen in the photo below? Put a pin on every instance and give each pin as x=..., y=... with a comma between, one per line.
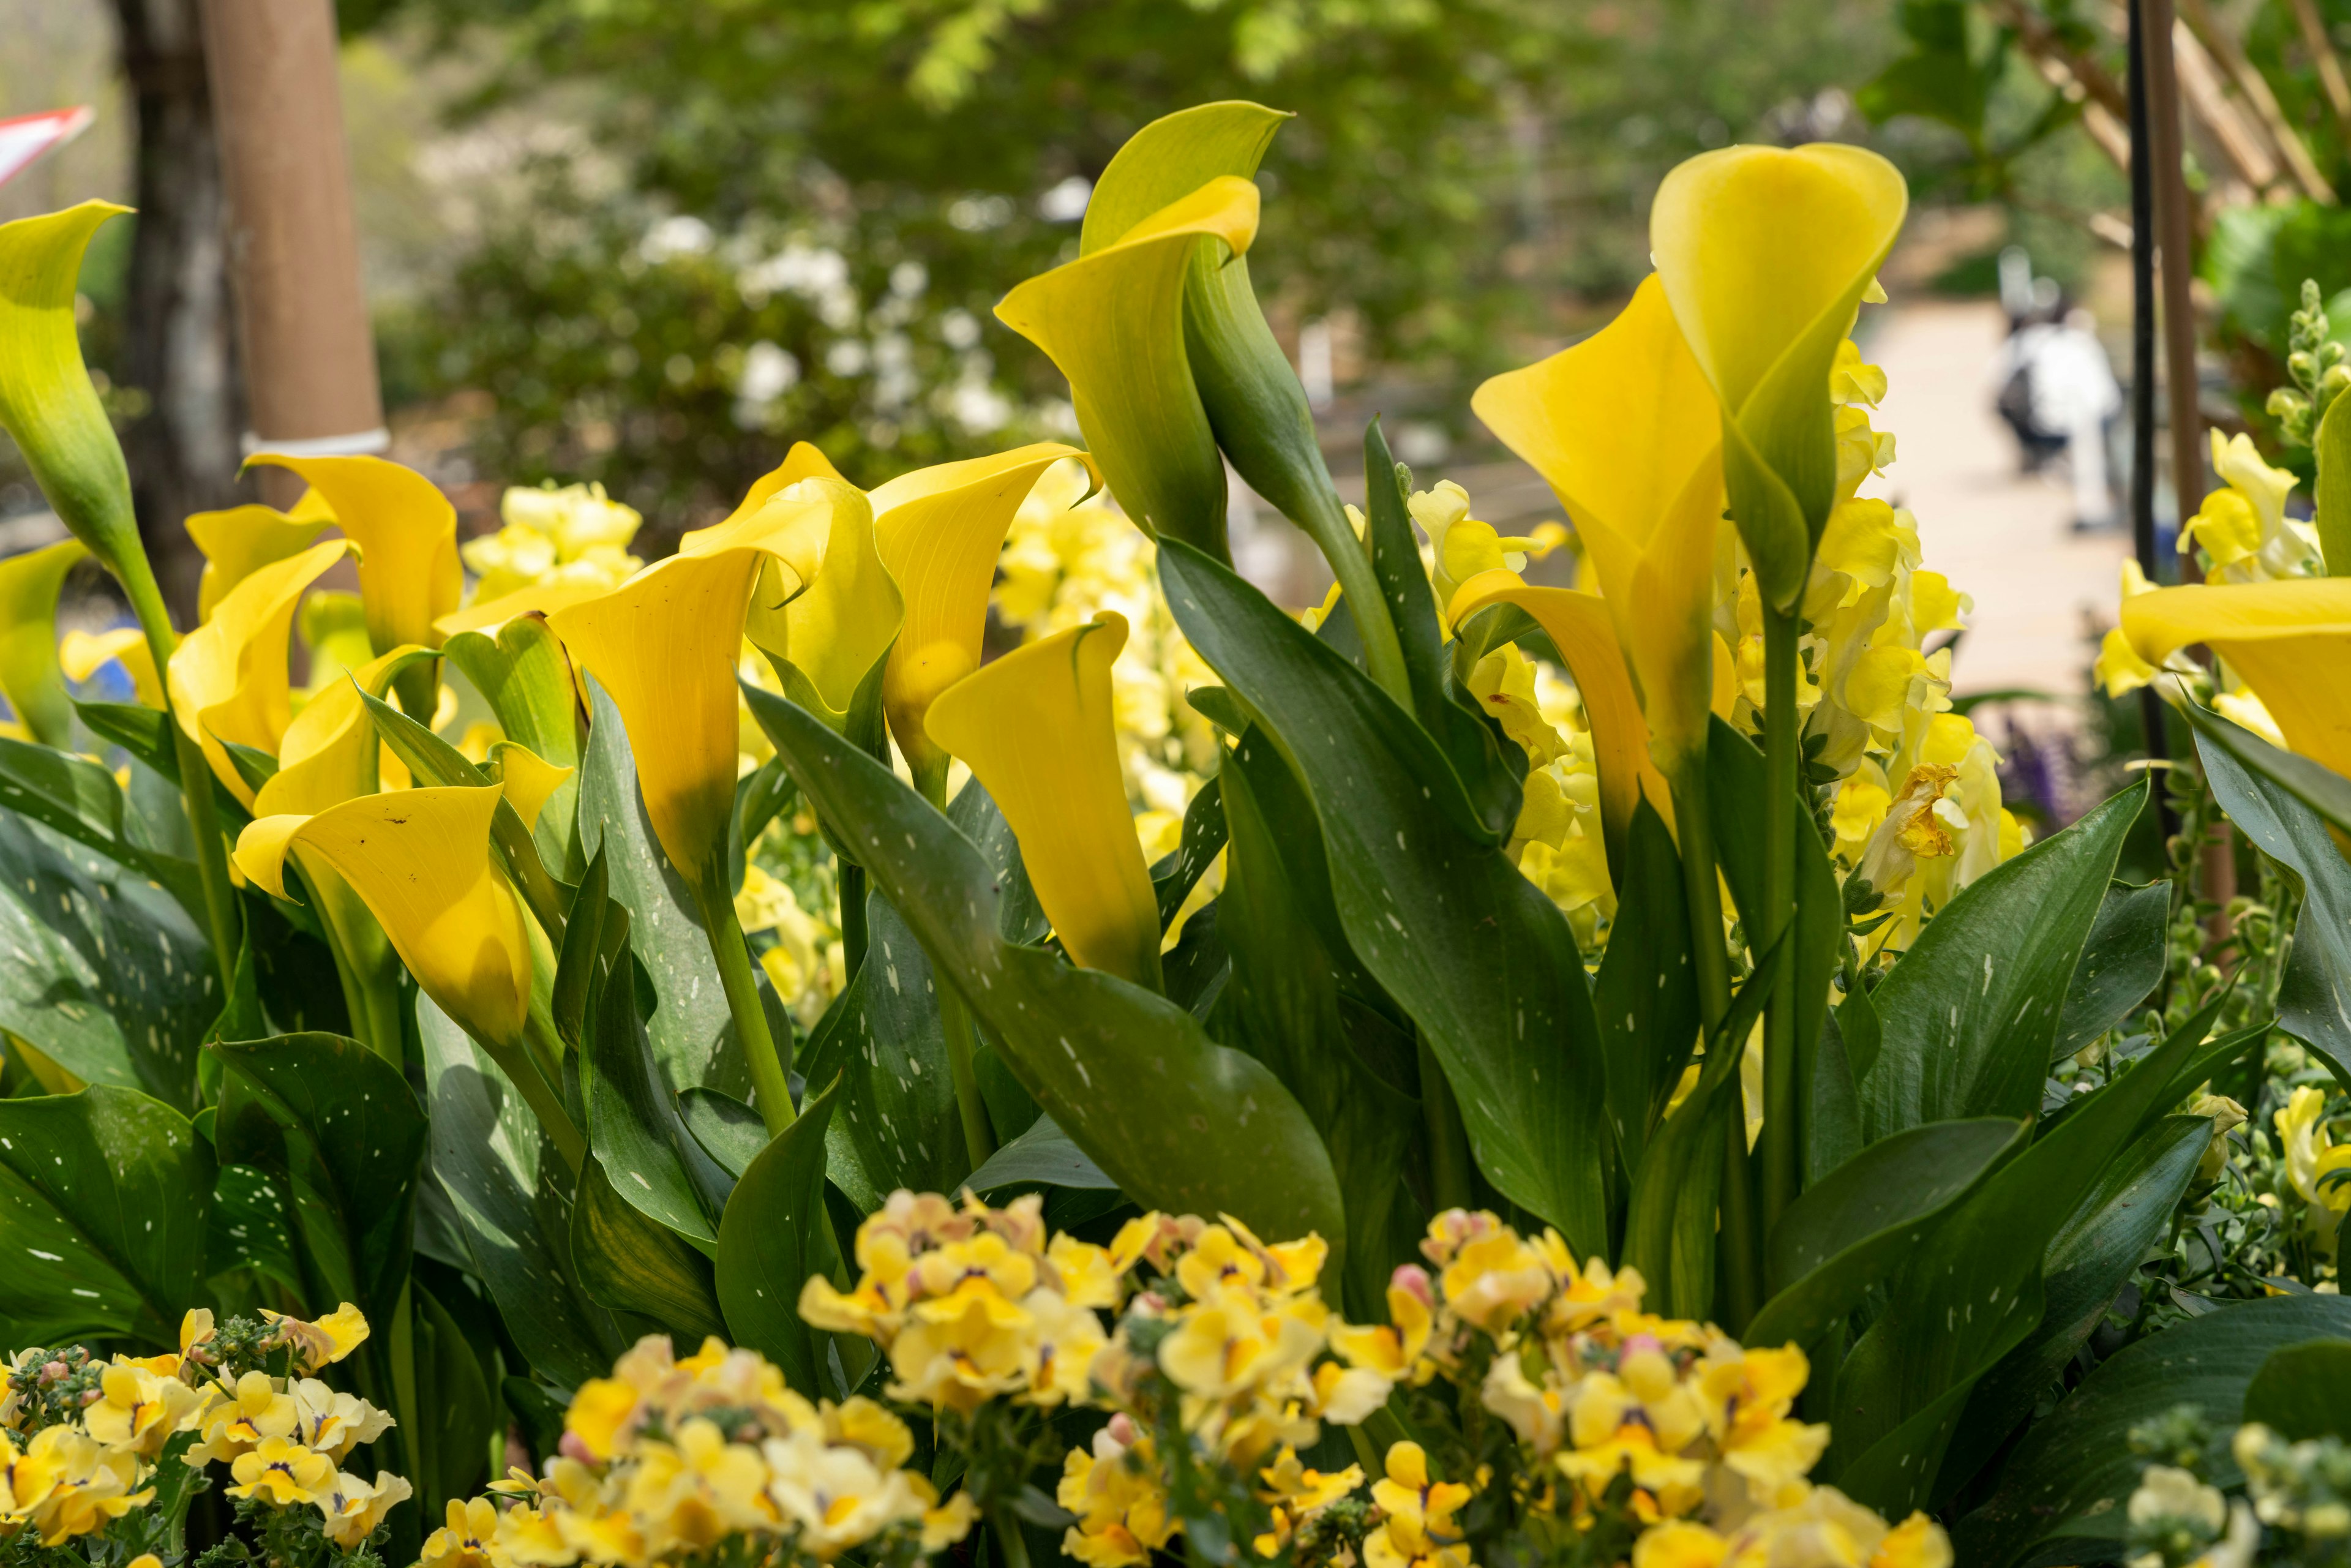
x=293, y=251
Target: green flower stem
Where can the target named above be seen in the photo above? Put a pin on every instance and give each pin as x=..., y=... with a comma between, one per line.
x=1448, y=1139
x=1783, y=1134
x=406, y=1409
x=770, y=1068
x=852, y=916
x=519, y=1062
x=1004, y=1525
x=955, y=1023
x=1359, y=585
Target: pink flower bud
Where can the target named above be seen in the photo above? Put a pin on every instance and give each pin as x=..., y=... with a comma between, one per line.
x=1636, y=1343
x=52, y=1371
x=1122, y=1430
x=1412, y=1280
x=571, y=1448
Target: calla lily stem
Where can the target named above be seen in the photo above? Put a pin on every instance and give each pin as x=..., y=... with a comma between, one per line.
x=955, y=1023
x=1448, y=1139
x=770, y=1070
x=1782, y=743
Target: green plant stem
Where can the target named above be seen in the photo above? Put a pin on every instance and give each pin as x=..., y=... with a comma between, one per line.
x=402, y=1343
x=1781, y=1145
x=1742, y=1239
x=771, y=1071
x=1359, y=585
x=853, y=936
x=1448, y=1139
x=1006, y=1524
x=520, y=1062
x=955, y=1024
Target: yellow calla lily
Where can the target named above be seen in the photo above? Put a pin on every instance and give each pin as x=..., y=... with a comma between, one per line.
x=29, y=675
x=2289, y=641
x=241, y=539
x=420, y=859
x=1578, y=625
x=1765, y=254
x=803, y=461
x=938, y=531
x=1113, y=320
x=529, y=778
x=228, y=680
x=1036, y=729
x=812, y=530
x=663, y=645
x=407, y=534
x=82, y=655
x=1624, y=428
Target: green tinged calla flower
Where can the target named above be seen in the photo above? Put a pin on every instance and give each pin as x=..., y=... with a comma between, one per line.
x=938, y=531
x=30, y=677
x=2289, y=641
x=407, y=534
x=1037, y=730
x=228, y=679
x=1113, y=320
x=663, y=645
x=240, y=540
x=1765, y=254
x=419, y=860
x=1624, y=428
x=47, y=405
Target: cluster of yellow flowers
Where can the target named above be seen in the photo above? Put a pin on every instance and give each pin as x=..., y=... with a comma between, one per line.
x=669, y=1458
x=574, y=535
x=80, y=1438
x=2311, y=1158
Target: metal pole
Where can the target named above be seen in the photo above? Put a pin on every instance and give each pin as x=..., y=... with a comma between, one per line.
x=309, y=355
x=2142, y=402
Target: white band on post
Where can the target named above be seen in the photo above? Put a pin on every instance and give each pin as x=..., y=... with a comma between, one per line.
x=356, y=445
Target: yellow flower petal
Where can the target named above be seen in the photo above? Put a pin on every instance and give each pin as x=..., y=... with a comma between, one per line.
x=1624, y=428
x=663, y=645
x=1765, y=254
x=1036, y=729
x=228, y=679
x=407, y=534
x=29, y=675
x=2289, y=641
x=1113, y=320
x=938, y=531
x=242, y=540
x=420, y=861
x=529, y=778
x=82, y=654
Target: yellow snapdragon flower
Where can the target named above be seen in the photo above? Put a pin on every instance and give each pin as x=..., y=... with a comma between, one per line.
x=2242, y=527
x=574, y=535
x=2310, y=1157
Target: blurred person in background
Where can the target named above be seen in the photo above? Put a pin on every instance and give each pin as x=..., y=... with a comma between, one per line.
x=2056, y=388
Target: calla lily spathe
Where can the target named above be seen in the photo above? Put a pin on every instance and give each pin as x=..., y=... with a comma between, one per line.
x=81, y=655
x=1112, y=321
x=1624, y=428
x=407, y=534
x=420, y=859
x=1765, y=254
x=228, y=679
x=30, y=676
x=2289, y=641
x=938, y=531
x=242, y=540
x=1036, y=728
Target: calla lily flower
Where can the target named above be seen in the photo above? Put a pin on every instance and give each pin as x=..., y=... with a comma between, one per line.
x=82, y=655
x=1765, y=254
x=420, y=859
x=2289, y=641
x=238, y=541
x=46, y=401
x=529, y=778
x=1624, y=428
x=407, y=534
x=1036, y=729
x=823, y=599
x=29, y=675
x=228, y=680
x=1579, y=625
x=938, y=531
x=1113, y=320
x=663, y=645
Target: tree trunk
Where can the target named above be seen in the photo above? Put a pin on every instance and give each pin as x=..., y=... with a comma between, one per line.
x=180, y=343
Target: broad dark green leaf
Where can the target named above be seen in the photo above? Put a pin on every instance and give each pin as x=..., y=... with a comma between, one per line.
x=1018, y=917
x=729, y=1132
x=692, y=1033
x=2304, y=1391
x=1041, y=1156
x=2088, y=1263
x=1482, y=961
x=633, y=1264
x=1174, y=876
x=452, y=1403
x=1969, y=1012
x=101, y=971
x=104, y=1198
x=1195, y=1128
x=341, y=1127
x=1647, y=992
x=1850, y=1229
x=525, y=678
x=1833, y=1121
x=2121, y=963
x=508, y=1187
x=248, y=1230
x=79, y=800
x=2072, y=1474
x=774, y=1236
x=2313, y=1002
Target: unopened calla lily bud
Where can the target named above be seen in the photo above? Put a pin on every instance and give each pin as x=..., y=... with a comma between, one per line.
x=1036, y=729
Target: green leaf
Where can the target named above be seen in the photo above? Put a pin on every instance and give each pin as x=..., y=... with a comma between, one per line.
x=1833, y=1130
x=1850, y=1230
x=2304, y=1391
x=2313, y=1001
x=2088, y=1263
x=249, y=1231
x=1480, y=960
x=2072, y=1473
x=1174, y=874
x=452, y=1401
x=691, y=1031
x=1970, y=1012
x=1647, y=992
x=2332, y=493
x=1195, y=1127
x=100, y=971
x=524, y=675
x=2121, y=963
x=504, y=1181
x=106, y=1194
x=1041, y=1156
x=79, y=800
x=729, y=1132
x=633, y=1264
x=773, y=1236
